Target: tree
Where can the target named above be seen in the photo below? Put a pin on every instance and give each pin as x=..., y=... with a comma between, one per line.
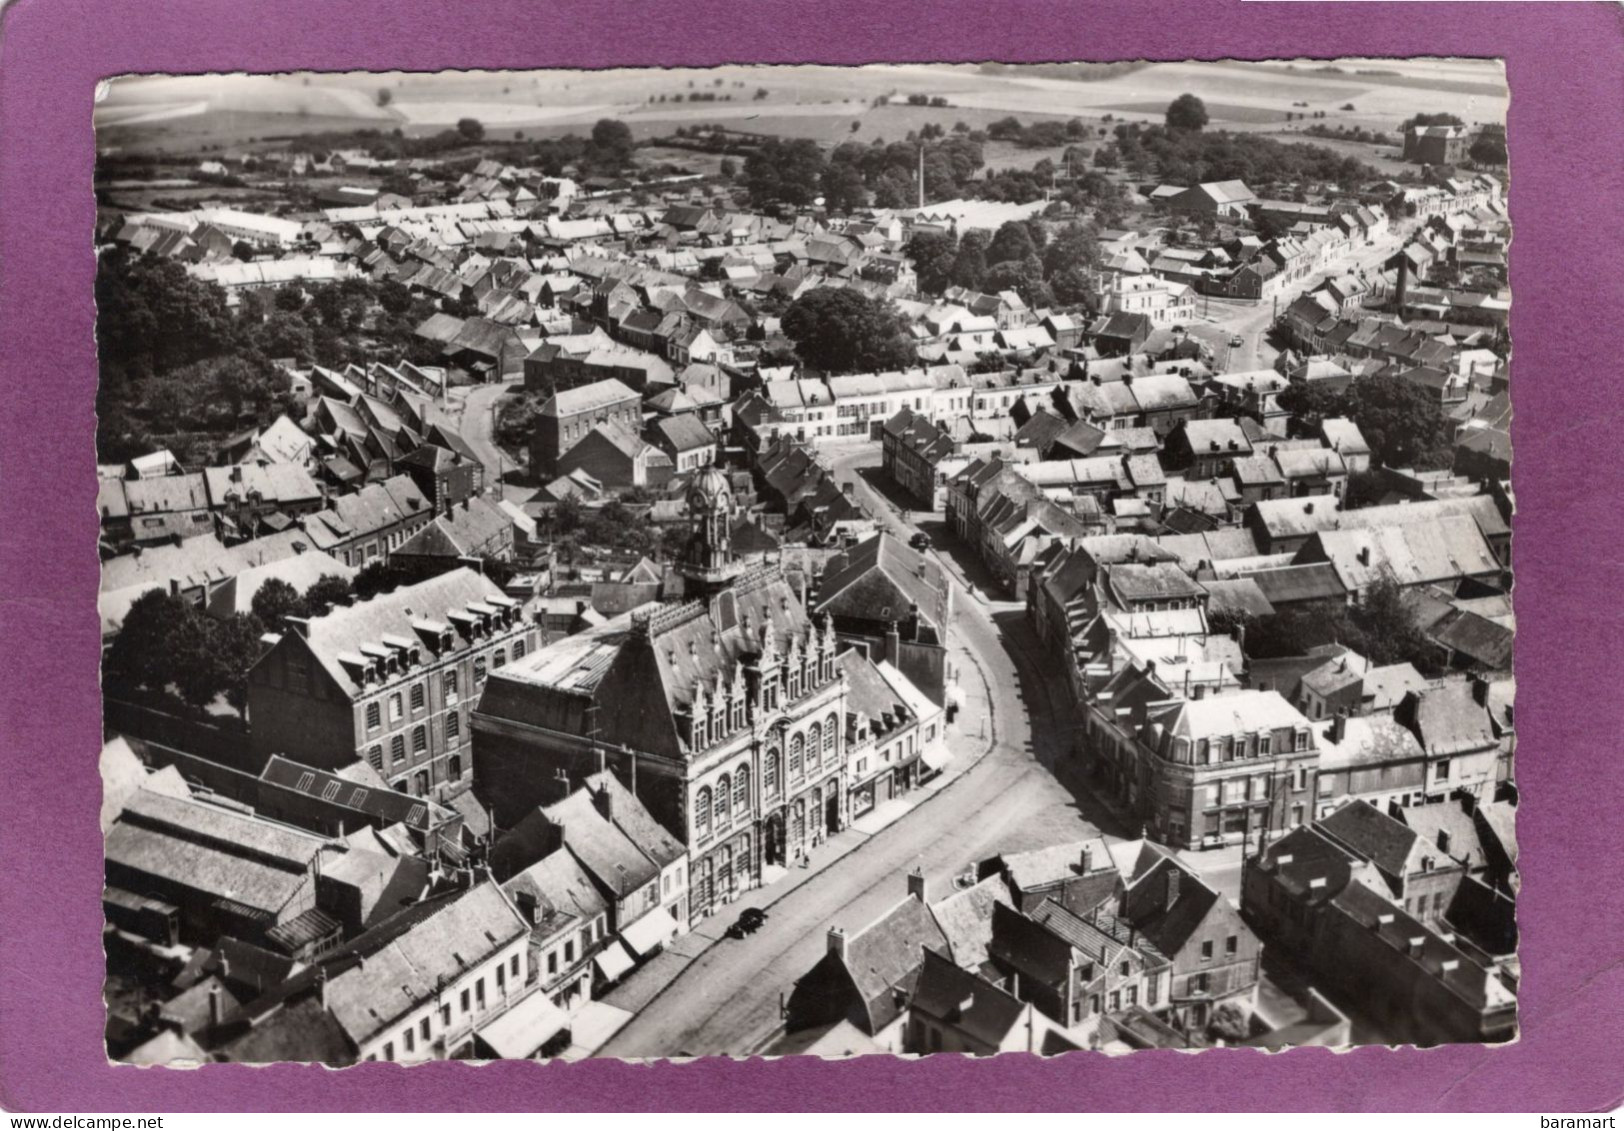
x=1186, y=112
x=1429, y=120
x=970, y=265
x=843, y=189
x=1011, y=242
x=729, y=168
x=326, y=593
x=932, y=254
x=139, y=654
x=1024, y=277
x=243, y=250
x=611, y=143
x=1489, y=146
x=1399, y=419
x=471, y=129
x=785, y=172
x=275, y=602
x=385, y=96
x=840, y=330
x=236, y=645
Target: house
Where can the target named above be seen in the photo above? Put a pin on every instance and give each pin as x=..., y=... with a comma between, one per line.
x=388, y=681
x=1310, y=897
x=685, y=440
x=477, y=529
x=1119, y=334
x=1421, y=873
x=419, y=987
x=614, y=456
x=568, y=416
x=1214, y=955
x=912, y=448
x=1436, y=145
x=371, y=523
x=867, y=978
x=957, y=1010
x=895, y=734
x=569, y=926
x=895, y=605
x=1228, y=199
x=638, y=867
x=1080, y=876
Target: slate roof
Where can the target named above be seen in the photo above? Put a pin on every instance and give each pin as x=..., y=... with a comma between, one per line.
x=887, y=955
x=965, y=919
x=1371, y=835
x=1145, y=905
x=878, y=579
x=587, y=398
x=966, y=1002
x=214, y=851
x=413, y=967
x=344, y=631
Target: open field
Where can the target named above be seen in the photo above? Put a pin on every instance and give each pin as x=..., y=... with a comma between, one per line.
x=799, y=101
x=1227, y=113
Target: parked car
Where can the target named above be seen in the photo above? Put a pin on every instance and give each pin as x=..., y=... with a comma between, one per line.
x=748, y=923
x=1236, y=342
x=920, y=541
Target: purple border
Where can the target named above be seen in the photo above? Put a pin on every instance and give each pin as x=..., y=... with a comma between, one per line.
x=1567, y=129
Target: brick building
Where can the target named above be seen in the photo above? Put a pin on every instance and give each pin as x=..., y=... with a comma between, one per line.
x=568, y=416
x=389, y=681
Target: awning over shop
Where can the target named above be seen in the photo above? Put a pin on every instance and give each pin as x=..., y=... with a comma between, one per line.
x=935, y=757
x=520, y=1032
x=650, y=932
x=613, y=961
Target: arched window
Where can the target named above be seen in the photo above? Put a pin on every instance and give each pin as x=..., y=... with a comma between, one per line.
x=829, y=726
x=797, y=751
x=814, y=744
x=702, y=812
x=724, y=798
x=741, y=792
x=772, y=773
x=518, y=649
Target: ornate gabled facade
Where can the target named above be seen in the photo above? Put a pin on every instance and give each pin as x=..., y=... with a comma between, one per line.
x=724, y=714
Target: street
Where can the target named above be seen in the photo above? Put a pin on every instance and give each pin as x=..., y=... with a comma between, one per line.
x=1219, y=320
x=471, y=412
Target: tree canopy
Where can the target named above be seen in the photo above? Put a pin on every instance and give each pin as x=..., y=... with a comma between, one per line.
x=1186, y=112
x=1418, y=120
x=841, y=330
x=785, y=172
x=1400, y=420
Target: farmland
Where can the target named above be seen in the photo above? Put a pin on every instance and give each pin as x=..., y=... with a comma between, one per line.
x=815, y=102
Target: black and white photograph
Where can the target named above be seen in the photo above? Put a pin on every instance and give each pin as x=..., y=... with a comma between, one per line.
x=806, y=561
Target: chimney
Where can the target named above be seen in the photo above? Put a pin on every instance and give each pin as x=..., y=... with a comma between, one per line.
x=893, y=643
x=299, y=625
x=174, y=587
x=1480, y=690
x=837, y=943
x=1339, y=727
x=321, y=985
x=1173, y=876
x=1087, y=860
x=1364, y=555
x=217, y=1005
x=916, y=885
x=562, y=778
x=1443, y=840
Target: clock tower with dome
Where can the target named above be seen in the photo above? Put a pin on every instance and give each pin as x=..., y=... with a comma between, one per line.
x=707, y=565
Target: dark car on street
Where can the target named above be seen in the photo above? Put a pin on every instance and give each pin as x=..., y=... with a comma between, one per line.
x=920, y=541
x=748, y=923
